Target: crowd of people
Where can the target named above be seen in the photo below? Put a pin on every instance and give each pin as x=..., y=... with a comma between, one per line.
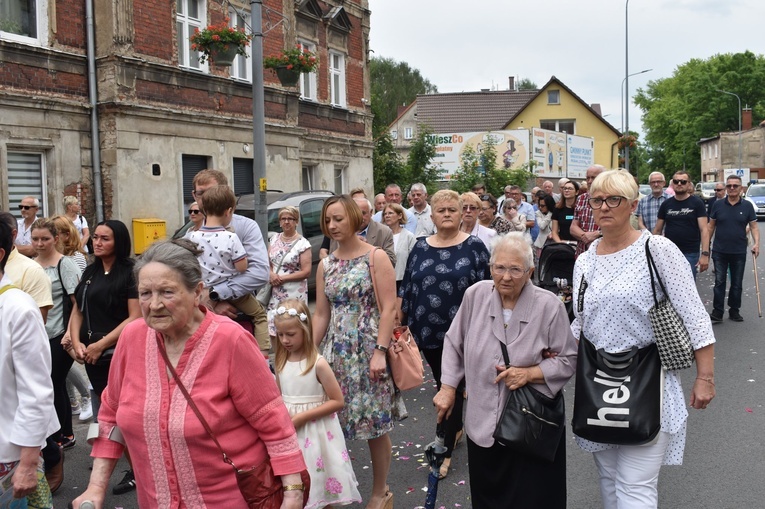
x=456, y=269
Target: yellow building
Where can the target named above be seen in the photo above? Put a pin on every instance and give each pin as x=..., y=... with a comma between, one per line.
x=556, y=107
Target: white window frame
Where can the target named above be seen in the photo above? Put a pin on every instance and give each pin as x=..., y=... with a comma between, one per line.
x=308, y=177
x=408, y=133
x=337, y=96
x=241, y=62
x=715, y=150
x=308, y=79
x=15, y=177
x=557, y=124
x=340, y=179
x=550, y=99
x=394, y=134
x=188, y=24
x=41, y=14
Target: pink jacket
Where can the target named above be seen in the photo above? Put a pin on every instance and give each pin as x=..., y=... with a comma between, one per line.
x=472, y=350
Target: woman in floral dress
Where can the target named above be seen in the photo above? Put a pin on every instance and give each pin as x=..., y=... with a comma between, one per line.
x=356, y=334
x=290, y=260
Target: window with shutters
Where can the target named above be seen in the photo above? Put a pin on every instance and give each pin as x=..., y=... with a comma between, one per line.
x=243, y=178
x=191, y=165
x=26, y=177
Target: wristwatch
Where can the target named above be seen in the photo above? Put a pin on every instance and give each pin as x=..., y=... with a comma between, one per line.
x=705, y=253
x=214, y=295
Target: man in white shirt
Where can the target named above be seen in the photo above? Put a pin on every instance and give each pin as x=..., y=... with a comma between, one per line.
x=27, y=415
x=393, y=195
x=28, y=207
x=421, y=210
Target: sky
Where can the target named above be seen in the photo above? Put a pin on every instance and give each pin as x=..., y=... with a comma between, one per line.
x=477, y=44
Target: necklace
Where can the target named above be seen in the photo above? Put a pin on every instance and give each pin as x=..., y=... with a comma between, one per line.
x=290, y=239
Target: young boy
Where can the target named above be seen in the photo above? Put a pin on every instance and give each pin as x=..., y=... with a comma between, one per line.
x=223, y=255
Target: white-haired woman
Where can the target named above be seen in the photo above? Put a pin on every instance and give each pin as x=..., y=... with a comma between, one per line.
x=614, y=317
x=532, y=322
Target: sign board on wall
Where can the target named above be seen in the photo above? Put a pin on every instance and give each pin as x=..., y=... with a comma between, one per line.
x=512, y=148
x=743, y=173
x=549, y=153
x=580, y=155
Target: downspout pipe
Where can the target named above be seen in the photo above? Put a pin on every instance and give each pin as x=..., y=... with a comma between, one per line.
x=95, y=139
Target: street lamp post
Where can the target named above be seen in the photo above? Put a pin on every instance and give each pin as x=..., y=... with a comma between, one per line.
x=627, y=81
x=739, y=123
x=622, y=92
x=258, y=119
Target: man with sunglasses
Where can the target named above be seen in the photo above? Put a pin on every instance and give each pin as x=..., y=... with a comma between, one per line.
x=28, y=208
x=728, y=222
x=719, y=195
x=683, y=220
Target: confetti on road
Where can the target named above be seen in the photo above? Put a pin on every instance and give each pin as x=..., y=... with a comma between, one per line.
x=749, y=410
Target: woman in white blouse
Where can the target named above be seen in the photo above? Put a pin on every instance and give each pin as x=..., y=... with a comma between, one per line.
x=394, y=218
x=615, y=318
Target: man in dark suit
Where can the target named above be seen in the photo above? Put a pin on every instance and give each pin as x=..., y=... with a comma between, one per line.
x=372, y=232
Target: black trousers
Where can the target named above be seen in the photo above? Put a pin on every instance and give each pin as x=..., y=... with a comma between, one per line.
x=61, y=362
x=500, y=477
x=453, y=424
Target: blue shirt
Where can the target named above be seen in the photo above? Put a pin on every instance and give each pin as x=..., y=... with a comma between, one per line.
x=527, y=210
x=434, y=283
x=648, y=209
x=730, y=225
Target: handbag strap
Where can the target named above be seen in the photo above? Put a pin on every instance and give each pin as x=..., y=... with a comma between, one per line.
x=372, y=273
x=60, y=279
x=191, y=403
x=285, y=255
x=654, y=272
x=85, y=308
x=505, y=355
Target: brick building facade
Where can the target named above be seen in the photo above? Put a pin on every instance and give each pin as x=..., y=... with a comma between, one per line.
x=163, y=115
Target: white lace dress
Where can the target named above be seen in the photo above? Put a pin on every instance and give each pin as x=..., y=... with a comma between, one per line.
x=333, y=481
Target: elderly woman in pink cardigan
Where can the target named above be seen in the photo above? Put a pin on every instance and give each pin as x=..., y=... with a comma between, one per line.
x=534, y=326
x=176, y=462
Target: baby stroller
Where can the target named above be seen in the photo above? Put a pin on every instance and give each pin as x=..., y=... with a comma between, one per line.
x=556, y=272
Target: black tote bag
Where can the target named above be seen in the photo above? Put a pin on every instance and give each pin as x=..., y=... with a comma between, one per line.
x=618, y=395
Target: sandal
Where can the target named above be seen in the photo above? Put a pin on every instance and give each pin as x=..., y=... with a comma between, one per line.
x=444, y=470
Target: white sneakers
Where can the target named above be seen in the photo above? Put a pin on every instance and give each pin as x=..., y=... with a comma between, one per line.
x=86, y=410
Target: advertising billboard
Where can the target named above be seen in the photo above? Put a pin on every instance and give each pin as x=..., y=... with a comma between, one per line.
x=580, y=152
x=512, y=148
x=549, y=152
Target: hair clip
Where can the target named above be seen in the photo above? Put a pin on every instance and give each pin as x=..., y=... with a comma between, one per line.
x=291, y=312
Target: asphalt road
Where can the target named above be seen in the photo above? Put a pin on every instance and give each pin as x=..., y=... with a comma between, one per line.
x=721, y=469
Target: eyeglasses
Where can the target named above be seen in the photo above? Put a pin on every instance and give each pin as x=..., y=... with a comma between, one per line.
x=193, y=212
x=511, y=207
x=656, y=182
x=288, y=219
x=515, y=272
x=732, y=186
x=197, y=193
x=27, y=207
x=719, y=190
x=469, y=207
x=679, y=182
x=611, y=201
x=486, y=209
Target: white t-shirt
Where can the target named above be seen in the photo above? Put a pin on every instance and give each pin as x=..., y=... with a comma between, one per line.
x=221, y=249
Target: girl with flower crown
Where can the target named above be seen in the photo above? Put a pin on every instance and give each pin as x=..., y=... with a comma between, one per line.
x=313, y=398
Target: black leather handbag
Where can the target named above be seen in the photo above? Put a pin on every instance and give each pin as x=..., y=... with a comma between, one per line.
x=618, y=395
x=531, y=423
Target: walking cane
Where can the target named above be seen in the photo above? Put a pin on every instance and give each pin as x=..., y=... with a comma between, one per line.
x=757, y=284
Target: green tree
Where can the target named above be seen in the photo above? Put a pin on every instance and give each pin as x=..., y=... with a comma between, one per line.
x=527, y=84
x=394, y=84
x=386, y=163
x=419, y=163
x=483, y=168
x=680, y=110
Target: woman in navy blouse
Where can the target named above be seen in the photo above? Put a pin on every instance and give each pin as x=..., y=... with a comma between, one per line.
x=440, y=268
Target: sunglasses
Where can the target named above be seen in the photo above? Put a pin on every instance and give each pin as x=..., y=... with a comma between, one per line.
x=679, y=182
x=732, y=186
x=193, y=212
x=511, y=207
x=469, y=207
x=27, y=207
x=719, y=190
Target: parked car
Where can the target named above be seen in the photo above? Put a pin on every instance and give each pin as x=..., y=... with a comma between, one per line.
x=706, y=190
x=644, y=190
x=309, y=203
x=756, y=196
